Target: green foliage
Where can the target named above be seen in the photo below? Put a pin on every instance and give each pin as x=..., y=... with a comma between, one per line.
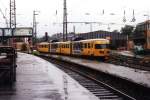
x=24, y=47
x=127, y=30
x=34, y=52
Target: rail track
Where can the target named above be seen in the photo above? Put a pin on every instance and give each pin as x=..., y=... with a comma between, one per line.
x=127, y=61
x=100, y=89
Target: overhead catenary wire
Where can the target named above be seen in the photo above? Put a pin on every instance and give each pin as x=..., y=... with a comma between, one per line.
x=6, y=21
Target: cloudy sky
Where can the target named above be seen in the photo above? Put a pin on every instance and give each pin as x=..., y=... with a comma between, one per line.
x=49, y=21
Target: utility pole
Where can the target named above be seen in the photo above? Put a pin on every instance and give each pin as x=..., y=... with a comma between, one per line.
x=12, y=14
x=12, y=23
x=65, y=21
x=35, y=26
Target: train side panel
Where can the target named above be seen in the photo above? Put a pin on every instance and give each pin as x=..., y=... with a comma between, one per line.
x=66, y=48
x=43, y=47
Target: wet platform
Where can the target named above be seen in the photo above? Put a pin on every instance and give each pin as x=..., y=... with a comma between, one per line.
x=134, y=75
x=38, y=79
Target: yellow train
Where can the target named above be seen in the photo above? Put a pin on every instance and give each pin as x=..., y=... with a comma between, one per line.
x=90, y=47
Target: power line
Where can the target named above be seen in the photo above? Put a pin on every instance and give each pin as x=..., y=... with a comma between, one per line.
x=6, y=21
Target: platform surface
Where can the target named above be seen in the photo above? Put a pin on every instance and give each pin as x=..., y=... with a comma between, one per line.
x=134, y=75
x=38, y=79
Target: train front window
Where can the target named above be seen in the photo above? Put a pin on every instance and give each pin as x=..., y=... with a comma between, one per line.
x=101, y=46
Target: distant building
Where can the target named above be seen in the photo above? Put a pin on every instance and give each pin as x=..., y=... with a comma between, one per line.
x=142, y=34
x=59, y=36
x=117, y=39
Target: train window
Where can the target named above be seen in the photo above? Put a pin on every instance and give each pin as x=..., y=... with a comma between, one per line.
x=85, y=45
x=67, y=45
x=74, y=46
x=80, y=45
x=88, y=45
x=101, y=46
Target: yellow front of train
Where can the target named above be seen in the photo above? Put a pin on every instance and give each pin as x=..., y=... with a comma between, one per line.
x=101, y=48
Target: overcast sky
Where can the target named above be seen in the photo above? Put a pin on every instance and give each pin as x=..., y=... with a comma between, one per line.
x=77, y=10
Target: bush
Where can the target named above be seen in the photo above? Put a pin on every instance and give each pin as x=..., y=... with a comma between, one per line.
x=24, y=47
x=34, y=52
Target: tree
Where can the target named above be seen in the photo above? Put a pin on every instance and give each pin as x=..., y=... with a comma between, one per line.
x=115, y=31
x=127, y=30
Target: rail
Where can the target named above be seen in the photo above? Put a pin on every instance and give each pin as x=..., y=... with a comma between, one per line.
x=101, y=90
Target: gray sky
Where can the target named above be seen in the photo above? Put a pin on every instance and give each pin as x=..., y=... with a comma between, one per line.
x=76, y=12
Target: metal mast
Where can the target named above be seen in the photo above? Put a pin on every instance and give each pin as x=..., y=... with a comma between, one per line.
x=65, y=21
x=35, y=26
x=12, y=14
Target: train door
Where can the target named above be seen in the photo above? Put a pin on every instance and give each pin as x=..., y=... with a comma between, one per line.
x=49, y=47
x=92, y=49
x=89, y=48
x=84, y=48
